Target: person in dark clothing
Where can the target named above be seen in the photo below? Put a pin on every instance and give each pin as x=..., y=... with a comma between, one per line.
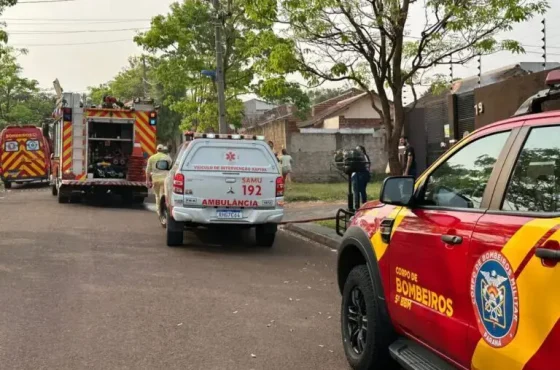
x=360, y=180
x=407, y=157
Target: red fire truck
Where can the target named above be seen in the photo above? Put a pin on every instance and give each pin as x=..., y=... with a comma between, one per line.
x=101, y=150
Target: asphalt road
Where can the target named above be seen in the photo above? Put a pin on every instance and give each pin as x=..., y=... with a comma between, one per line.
x=93, y=287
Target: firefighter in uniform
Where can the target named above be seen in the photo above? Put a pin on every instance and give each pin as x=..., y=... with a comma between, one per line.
x=155, y=177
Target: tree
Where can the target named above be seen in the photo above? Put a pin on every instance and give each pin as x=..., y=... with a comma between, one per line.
x=20, y=99
x=185, y=41
x=129, y=84
x=368, y=43
x=320, y=95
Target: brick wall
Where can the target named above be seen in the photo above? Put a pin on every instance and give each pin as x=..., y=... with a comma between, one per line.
x=359, y=122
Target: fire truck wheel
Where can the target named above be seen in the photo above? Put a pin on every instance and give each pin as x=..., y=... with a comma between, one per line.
x=54, y=190
x=62, y=198
x=363, y=329
x=175, y=232
x=7, y=184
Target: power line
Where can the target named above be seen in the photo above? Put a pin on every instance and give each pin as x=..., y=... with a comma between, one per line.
x=78, y=19
x=71, y=44
x=52, y=32
x=43, y=1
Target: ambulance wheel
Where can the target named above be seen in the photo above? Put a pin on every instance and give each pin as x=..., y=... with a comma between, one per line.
x=265, y=235
x=7, y=184
x=175, y=232
x=364, y=333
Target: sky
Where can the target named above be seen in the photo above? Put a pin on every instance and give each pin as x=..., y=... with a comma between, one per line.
x=95, y=57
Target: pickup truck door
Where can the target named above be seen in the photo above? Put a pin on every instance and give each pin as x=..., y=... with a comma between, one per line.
x=429, y=249
x=515, y=254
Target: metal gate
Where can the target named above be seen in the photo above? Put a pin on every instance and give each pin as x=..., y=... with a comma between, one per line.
x=436, y=117
x=465, y=114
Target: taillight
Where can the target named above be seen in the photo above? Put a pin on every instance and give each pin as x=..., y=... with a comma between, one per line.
x=179, y=183
x=279, y=187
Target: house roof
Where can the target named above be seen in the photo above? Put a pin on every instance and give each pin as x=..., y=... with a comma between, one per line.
x=338, y=107
x=500, y=74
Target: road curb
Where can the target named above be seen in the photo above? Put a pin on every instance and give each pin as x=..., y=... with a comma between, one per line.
x=316, y=233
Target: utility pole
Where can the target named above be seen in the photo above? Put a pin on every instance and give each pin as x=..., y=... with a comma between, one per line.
x=144, y=75
x=220, y=70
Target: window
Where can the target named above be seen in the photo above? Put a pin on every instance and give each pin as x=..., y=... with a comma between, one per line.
x=461, y=180
x=535, y=183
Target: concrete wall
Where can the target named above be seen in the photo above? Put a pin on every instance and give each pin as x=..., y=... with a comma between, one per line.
x=313, y=154
x=362, y=109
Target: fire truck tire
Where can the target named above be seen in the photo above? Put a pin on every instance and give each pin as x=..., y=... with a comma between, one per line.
x=54, y=190
x=265, y=235
x=63, y=198
x=364, y=349
x=7, y=184
x=174, y=231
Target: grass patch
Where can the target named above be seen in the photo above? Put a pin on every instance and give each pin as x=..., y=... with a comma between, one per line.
x=336, y=192
x=331, y=224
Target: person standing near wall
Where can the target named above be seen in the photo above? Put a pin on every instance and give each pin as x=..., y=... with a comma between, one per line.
x=407, y=158
x=271, y=145
x=286, y=162
x=361, y=179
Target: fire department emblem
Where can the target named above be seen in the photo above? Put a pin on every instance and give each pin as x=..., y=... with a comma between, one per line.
x=32, y=145
x=231, y=156
x=495, y=299
x=12, y=146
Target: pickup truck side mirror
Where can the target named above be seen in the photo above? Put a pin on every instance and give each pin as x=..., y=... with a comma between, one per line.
x=163, y=165
x=398, y=190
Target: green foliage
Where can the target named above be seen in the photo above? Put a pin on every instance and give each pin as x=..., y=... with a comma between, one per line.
x=129, y=84
x=320, y=95
x=254, y=61
x=366, y=43
x=21, y=102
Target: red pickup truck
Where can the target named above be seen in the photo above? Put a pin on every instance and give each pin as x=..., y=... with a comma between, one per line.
x=458, y=270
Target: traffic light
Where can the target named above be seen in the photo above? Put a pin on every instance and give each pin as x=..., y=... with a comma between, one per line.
x=153, y=118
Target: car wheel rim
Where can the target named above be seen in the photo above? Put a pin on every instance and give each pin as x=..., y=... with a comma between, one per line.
x=357, y=322
x=163, y=217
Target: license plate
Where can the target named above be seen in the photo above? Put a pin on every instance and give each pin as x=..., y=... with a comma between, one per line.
x=229, y=214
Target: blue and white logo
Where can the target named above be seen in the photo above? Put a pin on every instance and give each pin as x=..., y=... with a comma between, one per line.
x=495, y=299
x=32, y=145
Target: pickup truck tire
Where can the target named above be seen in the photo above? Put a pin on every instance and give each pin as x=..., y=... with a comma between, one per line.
x=265, y=235
x=175, y=232
x=365, y=349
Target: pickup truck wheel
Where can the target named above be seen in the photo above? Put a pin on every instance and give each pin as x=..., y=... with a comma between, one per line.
x=265, y=235
x=174, y=232
x=362, y=328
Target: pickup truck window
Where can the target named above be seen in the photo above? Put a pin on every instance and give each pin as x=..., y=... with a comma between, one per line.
x=535, y=184
x=461, y=180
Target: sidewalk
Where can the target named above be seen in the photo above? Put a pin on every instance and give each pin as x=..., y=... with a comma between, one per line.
x=300, y=211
